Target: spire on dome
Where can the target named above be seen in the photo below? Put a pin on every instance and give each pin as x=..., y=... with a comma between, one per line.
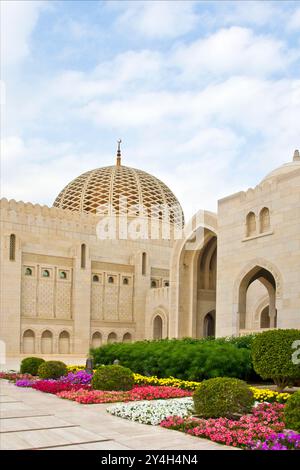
x=118, y=162
x=296, y=156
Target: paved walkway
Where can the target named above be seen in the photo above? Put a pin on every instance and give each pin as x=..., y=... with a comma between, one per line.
x=36, y=420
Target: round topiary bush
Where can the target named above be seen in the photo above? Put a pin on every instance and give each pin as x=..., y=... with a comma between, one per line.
x=113, y=378
x=222, y=397
x=30, y=365
x=52, y=370
x=292, y=412
x=274, y=355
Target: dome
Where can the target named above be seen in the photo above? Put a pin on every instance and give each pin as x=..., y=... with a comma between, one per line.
x=285, y=169
x=98, y=190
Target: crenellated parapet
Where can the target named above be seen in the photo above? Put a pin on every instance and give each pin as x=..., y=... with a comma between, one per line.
x=26, y=213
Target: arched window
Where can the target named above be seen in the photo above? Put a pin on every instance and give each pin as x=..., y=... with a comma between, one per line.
x=125, y=281
x=47, y=342
x=95, y=278
x=144, y=263
x=166, y=284
x=64, y=343
x=251, y=224
x=157, y=327
x=111, y=280
x=127, y=338
x=45, y=273
x=12, y=247
x=83, y=256
x=28, y=342
x=96, y=340
x=264, y=220
x=63, y=275
x=153, y=284
x=28, y=272
x=209, y=325
x=112, y=338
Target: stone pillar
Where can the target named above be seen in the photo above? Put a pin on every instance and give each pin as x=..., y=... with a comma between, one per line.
x=10, y=295
x=81, y=308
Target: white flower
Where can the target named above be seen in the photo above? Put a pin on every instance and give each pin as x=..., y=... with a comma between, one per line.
x=153, y=412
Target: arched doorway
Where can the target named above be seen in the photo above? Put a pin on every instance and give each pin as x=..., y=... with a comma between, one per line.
x=157, y=327
x=193, y=276
x=209, y=326
x=96, y=340
x=265, y=318
x=266, y=278
x=127, y=338
x=47, y=342
x=112, y=338
x=64, y=343
x=28, y=342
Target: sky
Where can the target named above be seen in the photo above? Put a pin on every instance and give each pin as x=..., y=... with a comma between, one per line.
x=205, y=95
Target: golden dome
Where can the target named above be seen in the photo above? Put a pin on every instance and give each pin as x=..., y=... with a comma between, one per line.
x=98, y=190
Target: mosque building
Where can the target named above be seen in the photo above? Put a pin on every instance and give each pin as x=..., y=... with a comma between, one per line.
x=114, y=261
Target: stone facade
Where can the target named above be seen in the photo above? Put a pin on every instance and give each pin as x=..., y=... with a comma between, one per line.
x=64, y=290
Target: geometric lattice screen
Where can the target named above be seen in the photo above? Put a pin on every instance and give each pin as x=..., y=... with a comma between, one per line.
x=97, y=190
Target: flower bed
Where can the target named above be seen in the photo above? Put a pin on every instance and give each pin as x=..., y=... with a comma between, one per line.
x=14, y=376
x=265, y=421
x=153, y=412
x=56, y=386
x=279, y=441
x=136, y=394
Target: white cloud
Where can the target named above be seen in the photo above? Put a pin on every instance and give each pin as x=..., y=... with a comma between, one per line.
x=157, y=18
x=233, y=51
x=294, y=21
x=18, y=20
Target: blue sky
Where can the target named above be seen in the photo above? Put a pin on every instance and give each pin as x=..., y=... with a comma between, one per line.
x=205, y=95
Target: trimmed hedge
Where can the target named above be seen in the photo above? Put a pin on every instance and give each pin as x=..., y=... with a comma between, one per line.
x=30, y=365
x=113, y=378
x=187, y=359
x=52, y=370
x=292, y=412
x=272, y=355
x=222, y=397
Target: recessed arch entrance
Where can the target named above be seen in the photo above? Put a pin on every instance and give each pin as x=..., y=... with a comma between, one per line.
x=270, y=278
x=193, y=277
x=209, y=324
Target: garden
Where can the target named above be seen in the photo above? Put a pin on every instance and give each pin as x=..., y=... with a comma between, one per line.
x=204, y=388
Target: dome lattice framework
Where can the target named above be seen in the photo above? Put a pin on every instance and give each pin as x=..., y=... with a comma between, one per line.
x=103, y=187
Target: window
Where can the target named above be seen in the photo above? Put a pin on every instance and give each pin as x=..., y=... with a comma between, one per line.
x=95, y=278
x=111, y=280
x=62, y=274
x=153, y=283
x=28, y=272
x=45, y=273
x=264, y=220
x=166, y=284
x=12, y=247
x=144, y=263
x=83, y=256
x=251, y=224
x=125, y=281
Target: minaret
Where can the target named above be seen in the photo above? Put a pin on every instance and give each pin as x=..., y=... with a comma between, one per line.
x=118, y=162
x=296, y=156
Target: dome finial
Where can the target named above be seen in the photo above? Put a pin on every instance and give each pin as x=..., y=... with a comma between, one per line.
x=118, y=163
x=296, y=156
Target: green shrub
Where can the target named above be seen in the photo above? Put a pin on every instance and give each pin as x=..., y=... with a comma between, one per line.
x=113, y=378
x=292, y=412
x=272, y=355
x=52, y=370
x=222, y=397
x=30, y=365
x=188, y=359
